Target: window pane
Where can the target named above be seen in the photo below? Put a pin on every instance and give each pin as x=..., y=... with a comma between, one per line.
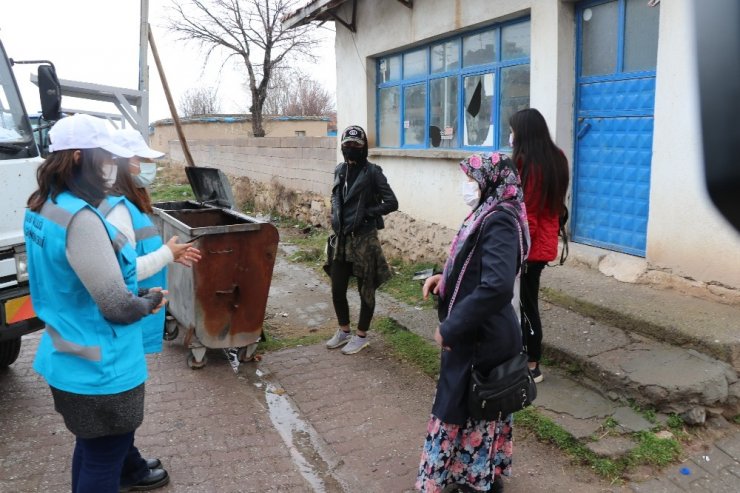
x=446, y=56
x=390, y=68
x=390, y=117
x=414, y=63
x=478, y=129
x=514, y=97
x=443, y=112
x=415, y=98
x=479, y=48
x=599, y=43
x=515, y=41
x=640, y=36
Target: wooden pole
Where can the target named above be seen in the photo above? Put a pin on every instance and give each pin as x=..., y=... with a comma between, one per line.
x=170, y=102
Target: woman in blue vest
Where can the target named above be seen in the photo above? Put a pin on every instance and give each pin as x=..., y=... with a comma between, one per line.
x=128, y=208
x=82, y=275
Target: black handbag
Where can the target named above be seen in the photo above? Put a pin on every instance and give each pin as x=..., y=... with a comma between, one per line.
x=507, y=388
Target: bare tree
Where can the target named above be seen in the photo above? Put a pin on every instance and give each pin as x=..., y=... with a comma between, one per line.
x=251, y=31
x=200, y=101
x=294, y=93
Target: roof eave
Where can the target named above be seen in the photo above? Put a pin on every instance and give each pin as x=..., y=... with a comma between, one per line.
x=316, y=10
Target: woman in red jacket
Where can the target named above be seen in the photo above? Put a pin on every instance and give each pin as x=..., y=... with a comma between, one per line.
x=544, y=173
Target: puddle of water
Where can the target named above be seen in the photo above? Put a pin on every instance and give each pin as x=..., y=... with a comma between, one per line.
x=290, y=425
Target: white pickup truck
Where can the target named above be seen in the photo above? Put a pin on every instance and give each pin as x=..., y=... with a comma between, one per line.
x=19, y=158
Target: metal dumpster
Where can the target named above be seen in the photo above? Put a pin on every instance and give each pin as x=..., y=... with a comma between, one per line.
x=220, y=302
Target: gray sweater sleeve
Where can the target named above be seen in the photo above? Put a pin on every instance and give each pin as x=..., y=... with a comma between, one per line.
x=91, y=256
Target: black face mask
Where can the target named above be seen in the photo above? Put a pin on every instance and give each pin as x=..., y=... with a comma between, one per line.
x=353, y=154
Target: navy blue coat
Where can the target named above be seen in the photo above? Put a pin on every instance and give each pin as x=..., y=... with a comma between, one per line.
x=482, y=324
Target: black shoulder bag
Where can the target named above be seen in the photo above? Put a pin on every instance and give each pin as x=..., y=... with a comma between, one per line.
x=505, y=389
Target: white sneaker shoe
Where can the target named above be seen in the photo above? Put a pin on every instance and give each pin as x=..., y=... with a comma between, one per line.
x=355, y=345
x=340, y=338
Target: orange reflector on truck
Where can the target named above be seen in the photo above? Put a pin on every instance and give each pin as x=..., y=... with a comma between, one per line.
x=18, y=310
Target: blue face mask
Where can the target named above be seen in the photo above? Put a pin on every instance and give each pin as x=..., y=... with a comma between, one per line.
x=147, y=173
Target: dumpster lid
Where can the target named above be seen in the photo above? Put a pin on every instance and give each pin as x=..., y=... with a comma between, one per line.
x=210, y=185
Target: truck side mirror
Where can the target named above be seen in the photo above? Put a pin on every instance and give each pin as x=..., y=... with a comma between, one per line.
x=50, y=93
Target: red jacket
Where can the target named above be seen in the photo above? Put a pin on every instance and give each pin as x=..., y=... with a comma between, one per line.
x=543, y=224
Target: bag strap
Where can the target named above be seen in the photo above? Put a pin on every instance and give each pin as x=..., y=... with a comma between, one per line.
x=472, y=250
x=467, y=261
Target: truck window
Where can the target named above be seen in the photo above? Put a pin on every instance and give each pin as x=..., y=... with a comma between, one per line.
x=16, y=136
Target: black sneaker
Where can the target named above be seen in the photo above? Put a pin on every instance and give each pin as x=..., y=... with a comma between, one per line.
x=537, y=374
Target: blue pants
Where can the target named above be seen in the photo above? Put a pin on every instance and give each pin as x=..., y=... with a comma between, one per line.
x=101, y=465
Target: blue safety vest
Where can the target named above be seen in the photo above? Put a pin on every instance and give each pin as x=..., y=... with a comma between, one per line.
x=147, y=240
x=80, y=351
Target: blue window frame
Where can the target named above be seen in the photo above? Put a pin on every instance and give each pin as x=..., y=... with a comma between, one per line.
x=455, y=93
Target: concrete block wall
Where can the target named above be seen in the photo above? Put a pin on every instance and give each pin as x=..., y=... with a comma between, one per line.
x=293, y=176
x=297, y=163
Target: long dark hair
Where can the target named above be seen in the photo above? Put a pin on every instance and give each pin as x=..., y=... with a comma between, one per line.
x=534, y=151
x=125, y=186
x=60, y=172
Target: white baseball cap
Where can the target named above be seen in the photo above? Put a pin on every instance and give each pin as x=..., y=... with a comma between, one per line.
x=82, y=131
x=133, y=141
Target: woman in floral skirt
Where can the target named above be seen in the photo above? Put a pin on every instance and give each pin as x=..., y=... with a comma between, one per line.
x=478, y=324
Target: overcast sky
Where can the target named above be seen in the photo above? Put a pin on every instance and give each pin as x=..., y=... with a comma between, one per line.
x=98, y=41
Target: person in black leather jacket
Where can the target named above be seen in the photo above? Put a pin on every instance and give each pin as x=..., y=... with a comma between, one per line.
x=360, y=198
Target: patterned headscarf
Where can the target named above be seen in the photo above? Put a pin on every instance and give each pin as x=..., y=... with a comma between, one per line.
x=501, y=189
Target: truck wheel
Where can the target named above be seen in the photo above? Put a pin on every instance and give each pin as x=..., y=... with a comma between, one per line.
x=9, y=351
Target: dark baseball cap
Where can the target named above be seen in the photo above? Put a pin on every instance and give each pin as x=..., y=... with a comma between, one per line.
x=354, y=134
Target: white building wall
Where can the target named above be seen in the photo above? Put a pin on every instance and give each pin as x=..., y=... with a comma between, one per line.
x=685, y=232
x=686, y=235
x=427, y=185
x=552, y=83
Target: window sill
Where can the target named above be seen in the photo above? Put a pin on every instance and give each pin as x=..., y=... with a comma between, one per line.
x=421, y=153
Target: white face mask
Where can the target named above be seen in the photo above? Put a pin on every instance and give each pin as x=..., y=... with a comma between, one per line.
x=110, y=172
x=471, y=193
x=511, y=139
x=147, y=173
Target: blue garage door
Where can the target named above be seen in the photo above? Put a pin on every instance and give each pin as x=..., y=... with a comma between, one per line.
x=617, y=51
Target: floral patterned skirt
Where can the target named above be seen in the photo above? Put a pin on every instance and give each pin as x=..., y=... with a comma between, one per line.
x=471, y=455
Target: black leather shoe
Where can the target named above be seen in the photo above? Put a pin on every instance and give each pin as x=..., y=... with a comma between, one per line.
x=155, y=479
x=153, y=463
x=498, y=485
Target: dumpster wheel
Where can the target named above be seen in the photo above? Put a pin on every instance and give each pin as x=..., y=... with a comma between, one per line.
x=193, y=364
x=171, y=329
x=246, y=353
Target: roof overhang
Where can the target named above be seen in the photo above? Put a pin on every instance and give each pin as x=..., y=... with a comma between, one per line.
x=326, y=10
x=316, y=10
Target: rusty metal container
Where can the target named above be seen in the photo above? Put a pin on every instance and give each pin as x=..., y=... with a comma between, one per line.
x=220, y=302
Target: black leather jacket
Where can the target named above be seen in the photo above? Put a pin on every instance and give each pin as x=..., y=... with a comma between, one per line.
x=365, y=203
